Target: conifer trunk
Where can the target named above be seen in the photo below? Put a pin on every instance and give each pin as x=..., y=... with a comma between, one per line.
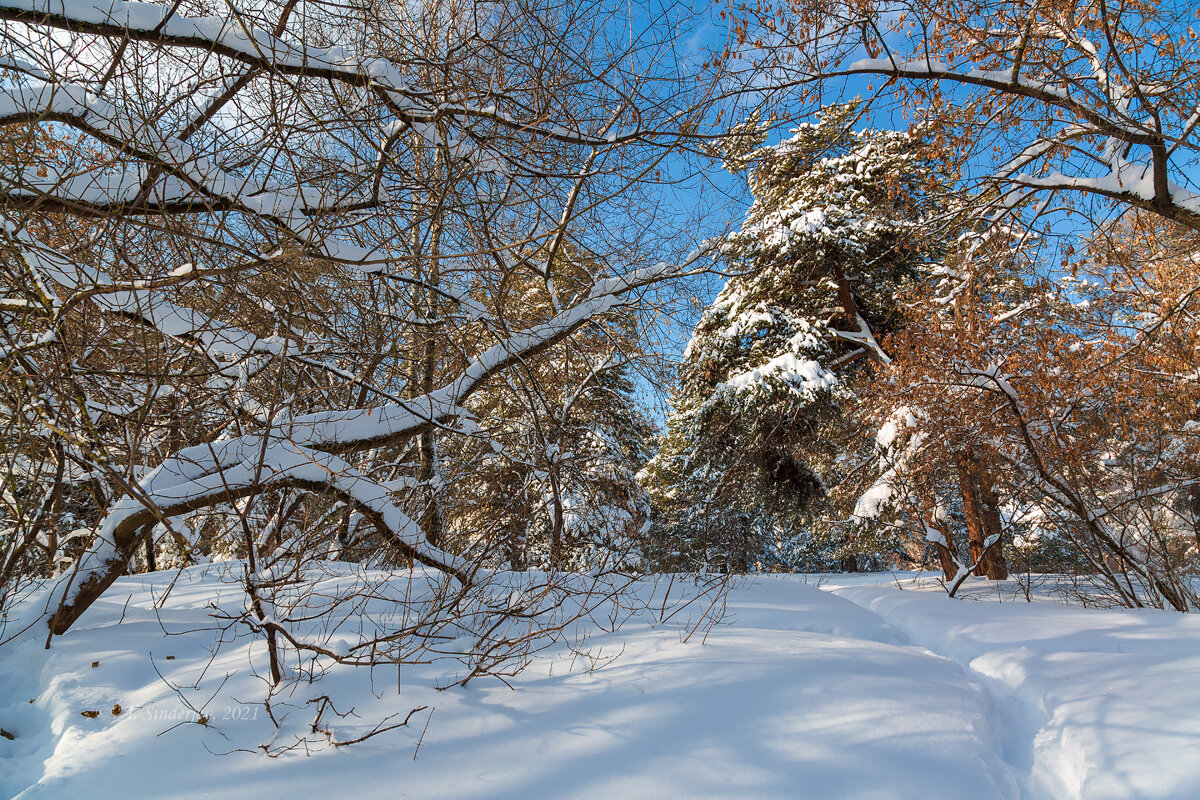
x=947, y=556
x=982, y=511
x=946, y=560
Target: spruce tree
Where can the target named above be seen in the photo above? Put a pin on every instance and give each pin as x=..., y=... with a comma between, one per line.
x=836, y=232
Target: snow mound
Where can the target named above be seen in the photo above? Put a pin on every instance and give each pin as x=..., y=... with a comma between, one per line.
x=1096, y=703
x=799, y=691
x=842, y=691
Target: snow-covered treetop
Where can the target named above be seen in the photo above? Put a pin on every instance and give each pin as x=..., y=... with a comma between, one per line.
x=836, y=231
x=835, y=215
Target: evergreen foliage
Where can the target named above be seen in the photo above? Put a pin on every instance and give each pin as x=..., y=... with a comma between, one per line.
x=758, y=430
x=548, y=479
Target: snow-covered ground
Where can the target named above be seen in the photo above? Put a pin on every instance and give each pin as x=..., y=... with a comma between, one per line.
x=866, y=687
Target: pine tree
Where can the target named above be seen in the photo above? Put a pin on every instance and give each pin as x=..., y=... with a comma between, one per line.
x=757, y=430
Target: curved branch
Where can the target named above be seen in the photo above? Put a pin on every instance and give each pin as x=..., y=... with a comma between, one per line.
x=184, y=485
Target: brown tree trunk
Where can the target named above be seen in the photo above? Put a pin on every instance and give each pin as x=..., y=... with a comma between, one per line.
x=993, y=565
x=425, y=307
x=514, y=546
x=947, y=557
x=946, y=560
x=982, y=511
x=151, y=564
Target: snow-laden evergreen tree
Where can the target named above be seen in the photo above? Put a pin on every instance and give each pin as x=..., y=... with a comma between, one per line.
x=554, y=482
x=549, y=476
x=838, y=229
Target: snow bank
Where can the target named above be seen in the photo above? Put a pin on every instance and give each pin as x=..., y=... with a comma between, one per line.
x=802, y=693
x=1096, y=703
x=857, y=689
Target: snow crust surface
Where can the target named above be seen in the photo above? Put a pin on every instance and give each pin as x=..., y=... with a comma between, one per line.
x=863, y=687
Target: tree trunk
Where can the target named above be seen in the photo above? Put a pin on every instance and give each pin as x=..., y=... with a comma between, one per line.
x=1194, y=507
x=425, y=307
x=947, y=556
x=151, y=564
x=514, y=546
x=982, y=511
x=946, y=560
